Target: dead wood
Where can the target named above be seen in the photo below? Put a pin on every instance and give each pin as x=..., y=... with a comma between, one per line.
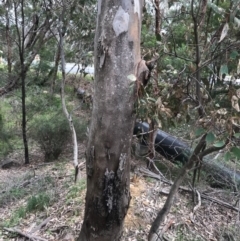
x=25, y=234
x=194, y=161
x=151, y=174
x=41, y=225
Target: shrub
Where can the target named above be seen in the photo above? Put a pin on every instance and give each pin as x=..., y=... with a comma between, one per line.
x=52, y=132
x=80, y=126
x=5, y=137
x=38, y=202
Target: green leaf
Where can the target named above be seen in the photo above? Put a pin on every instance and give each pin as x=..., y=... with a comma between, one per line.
x=219, y=144
x=152, y=99
x=237, y=135
x=143, y=101
x=210, y=138
x=227, y=156
x=216, y=8
x=199, y=132
x=132, y=77
x=236, y=152
x=224, y=69
x=234, y=54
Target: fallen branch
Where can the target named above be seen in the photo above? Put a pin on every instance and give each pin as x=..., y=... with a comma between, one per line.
x=148, y=173
x=155, y=167
x=193, y=162
x=43, y=223
x=24, y=234
x=173, y=148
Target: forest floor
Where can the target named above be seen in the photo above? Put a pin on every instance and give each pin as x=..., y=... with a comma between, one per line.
x=42, y=202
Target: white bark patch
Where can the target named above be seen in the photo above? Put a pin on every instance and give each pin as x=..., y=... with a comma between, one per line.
x=120, y=21
x=137, y=7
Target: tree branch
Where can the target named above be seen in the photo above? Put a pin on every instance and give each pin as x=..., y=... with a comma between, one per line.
x=25, y=234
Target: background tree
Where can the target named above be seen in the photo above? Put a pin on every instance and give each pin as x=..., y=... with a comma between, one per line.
x=30, y=36
x=30, y=28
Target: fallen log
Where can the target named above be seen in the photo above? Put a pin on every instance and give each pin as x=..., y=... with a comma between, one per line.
x=167, y=145
x=174, y=150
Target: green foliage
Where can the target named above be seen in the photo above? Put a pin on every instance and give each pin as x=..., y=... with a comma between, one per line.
x=39, y=74
x=199, y=131
x=48, y=125
x=76, y=189
x=52, y=132
x=38, y=202
x=16, y=217
x=210, y=138
x=224, y=69
x=5, y=136
x=235, y=151
x=17, y=193
x=148, y=38
x=21, y=212
x=228, y=156
x=35, y=203
x=219, y=144
x=3, y=68
x=80, y=126
x=40, y=101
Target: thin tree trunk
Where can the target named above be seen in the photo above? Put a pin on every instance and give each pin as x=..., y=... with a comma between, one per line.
x=24, y=120
x=9, y=45
x=62, y=31
x=197, y=62
x=53, y=73
x=157, y=19
x=21, y=37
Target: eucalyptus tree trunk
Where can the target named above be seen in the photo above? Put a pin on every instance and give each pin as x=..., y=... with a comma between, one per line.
x=117, y=55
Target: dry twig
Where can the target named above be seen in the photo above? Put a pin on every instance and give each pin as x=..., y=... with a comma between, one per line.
x=148, y=173
x=43, y=223
x=24, y=234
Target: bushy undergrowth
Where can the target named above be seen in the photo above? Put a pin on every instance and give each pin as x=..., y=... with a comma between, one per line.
x=38, y=202
x=50, y=128
x=47, y=126
x=52, y=133
x=34, y=203
x=5, y=137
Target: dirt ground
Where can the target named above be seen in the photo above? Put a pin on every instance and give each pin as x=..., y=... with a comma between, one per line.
x=62, y=215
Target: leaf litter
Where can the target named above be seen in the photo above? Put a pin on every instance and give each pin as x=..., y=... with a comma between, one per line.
x=62, y=218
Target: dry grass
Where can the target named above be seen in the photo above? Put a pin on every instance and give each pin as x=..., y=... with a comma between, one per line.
x=66, y=207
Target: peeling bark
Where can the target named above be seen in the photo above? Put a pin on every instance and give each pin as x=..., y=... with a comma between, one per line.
x=117, y=53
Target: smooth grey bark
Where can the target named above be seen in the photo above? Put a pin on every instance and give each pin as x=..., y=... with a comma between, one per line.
x=62, y=31
x=117, y=55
